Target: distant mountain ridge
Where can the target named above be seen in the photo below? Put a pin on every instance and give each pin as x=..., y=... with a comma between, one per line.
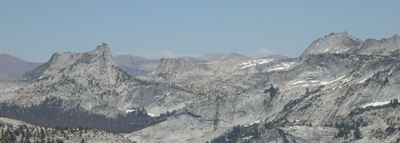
x=212, y=57
x=12, y=66
x=139, y=66
x=275, y=57
x=136, y=65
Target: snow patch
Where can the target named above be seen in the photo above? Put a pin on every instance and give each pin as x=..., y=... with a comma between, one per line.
x=255, y=122
x=325, y=83
x=282, y=66
x=347, y=79
x=305, y=85
x=318, y=83
x=376, y=104
x=152, y=73
x=366, y=78
x=298, y=82
x=255, y=62
x=133, y=110
x=151, y=115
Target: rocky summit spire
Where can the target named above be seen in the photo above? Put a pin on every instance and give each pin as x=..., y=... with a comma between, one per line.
x=104, y=50
x=96, y=65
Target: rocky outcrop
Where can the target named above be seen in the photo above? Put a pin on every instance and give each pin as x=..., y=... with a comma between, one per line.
x=73, y=75
x=193, y=59
x=98, y=65
x=333, y=43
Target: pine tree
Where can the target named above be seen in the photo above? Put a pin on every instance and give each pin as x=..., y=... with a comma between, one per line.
x=357, y=133
x=42, y=135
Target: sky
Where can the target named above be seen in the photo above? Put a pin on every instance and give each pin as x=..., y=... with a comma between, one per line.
x=34, y=30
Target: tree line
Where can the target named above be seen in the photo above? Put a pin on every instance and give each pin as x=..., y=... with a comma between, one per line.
x=51, y=113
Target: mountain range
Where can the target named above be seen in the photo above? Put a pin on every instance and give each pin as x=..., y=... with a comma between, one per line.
x=134, y=65
x=12, y=67
x=341, y=89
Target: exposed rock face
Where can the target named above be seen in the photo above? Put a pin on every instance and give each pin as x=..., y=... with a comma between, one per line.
x=384, y=47
x=98, y=64
x=193, y=59
x=135, y=65
x=333, y=43
x=204, y=120
x=70, y=76
x=12, y=67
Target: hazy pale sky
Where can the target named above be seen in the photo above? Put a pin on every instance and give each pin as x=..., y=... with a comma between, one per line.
x=34, y=30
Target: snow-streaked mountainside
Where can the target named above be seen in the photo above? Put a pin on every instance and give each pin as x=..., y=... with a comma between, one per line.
x=340, y=89
x=227, y=65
